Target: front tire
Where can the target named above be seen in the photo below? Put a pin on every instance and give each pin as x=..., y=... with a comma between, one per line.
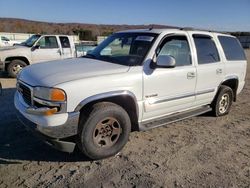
x=15, y=67
x=223, y=101
x=104, y=131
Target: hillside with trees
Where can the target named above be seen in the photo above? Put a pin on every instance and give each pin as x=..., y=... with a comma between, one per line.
x=85, y=31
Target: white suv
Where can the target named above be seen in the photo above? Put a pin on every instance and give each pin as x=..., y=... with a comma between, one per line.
x=134, y=80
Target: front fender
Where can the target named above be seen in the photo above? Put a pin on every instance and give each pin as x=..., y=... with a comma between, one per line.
x=107, y=95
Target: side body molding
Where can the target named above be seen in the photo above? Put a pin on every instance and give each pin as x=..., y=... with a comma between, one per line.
x=108, y=95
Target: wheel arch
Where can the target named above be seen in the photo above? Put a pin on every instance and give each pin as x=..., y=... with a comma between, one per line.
x=232, y=82
x=125, y=99
x=9, y=59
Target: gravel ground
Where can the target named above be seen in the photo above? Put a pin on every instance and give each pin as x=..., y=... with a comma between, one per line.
x=201, y=151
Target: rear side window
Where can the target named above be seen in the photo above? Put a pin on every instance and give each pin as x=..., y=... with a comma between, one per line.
x=232, y=48
x=65, y=42
x=206, y=49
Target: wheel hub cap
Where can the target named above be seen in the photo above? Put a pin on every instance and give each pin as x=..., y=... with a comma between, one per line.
x=224, y=103
x=17, y=68
x=107, y=132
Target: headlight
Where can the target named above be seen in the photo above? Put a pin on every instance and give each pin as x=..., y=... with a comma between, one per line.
x=50, y=94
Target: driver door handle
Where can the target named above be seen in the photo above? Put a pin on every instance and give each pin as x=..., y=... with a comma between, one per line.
x=218, y=71
x=190, y=75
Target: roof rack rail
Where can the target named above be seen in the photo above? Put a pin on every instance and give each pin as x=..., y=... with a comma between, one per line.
x=192, y=29
x=187, y=28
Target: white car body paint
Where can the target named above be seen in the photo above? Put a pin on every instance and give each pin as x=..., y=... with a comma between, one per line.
x=157, y=92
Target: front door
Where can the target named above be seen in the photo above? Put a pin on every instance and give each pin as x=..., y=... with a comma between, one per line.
x=48, y=50
x=168, y=90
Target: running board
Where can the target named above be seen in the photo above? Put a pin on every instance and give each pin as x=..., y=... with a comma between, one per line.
x=174, y=117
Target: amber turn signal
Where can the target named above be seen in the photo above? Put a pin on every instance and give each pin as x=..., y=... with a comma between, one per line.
x=57, y=95
x=50, y=112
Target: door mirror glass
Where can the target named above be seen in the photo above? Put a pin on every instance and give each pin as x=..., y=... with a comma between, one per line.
x=165, y=61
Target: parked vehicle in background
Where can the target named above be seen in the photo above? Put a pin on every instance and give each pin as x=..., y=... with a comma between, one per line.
x=134, y=80
x=4, y=41
x=38, y=48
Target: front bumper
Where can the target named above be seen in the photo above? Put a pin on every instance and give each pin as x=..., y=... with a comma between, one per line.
x=49, y=128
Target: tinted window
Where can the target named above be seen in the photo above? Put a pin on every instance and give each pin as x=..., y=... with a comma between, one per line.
x=65, y=42
x=206, y=49
x=232, y=48
x=5, y=39
x=48, y=42
x=124, y=48
x=31, y=41
x=178, y=48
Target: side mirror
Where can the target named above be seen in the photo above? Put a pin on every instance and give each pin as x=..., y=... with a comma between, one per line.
x=37, y=46
x=165, y=61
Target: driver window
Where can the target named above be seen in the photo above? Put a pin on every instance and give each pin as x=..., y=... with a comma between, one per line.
x=177, y=47
x=48, y=42
x=118, y=47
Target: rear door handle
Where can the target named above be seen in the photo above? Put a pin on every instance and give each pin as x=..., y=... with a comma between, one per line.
x=218, y=71
x=59, y=51
x=190, y=75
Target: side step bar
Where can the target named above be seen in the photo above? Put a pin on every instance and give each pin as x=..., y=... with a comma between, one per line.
x=173, y=118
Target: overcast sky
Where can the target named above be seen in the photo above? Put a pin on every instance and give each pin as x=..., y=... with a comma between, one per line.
x=223, y=15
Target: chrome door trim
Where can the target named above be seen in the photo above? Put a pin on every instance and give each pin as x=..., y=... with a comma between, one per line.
x=205, y=91
x=173, y=98
x=157, y=101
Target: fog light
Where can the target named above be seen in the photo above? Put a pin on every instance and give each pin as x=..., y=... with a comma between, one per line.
x=42, y=111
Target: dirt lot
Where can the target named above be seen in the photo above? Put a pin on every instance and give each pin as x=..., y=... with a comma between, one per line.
x=199, y=152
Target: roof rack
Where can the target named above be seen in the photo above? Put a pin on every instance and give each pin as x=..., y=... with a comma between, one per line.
x=192, y=29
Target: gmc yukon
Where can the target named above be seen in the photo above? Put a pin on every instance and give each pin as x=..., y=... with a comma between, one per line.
x=134, y=80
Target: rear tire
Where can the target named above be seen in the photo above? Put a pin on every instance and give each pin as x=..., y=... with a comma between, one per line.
x=104, y=131
x=223, y=101
x=15, y=67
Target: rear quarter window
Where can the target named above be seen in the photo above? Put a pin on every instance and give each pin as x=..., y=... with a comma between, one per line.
x=232, y=48
x=206, y=49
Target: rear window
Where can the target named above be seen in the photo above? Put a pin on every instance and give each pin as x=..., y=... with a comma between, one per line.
x=206, y=49
x=64, y=42
x=232, y=48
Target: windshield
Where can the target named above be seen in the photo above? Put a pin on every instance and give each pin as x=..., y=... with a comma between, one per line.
x=30, y=41
x=124, y=48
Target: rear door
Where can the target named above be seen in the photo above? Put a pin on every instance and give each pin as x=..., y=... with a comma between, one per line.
x=210, y=68
x=67, y=47
x=48, y=49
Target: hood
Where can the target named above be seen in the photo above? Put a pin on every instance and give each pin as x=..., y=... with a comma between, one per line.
x=11, y=48
x=52, y=73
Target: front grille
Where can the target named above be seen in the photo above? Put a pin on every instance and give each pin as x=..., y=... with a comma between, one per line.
x=26, y=93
